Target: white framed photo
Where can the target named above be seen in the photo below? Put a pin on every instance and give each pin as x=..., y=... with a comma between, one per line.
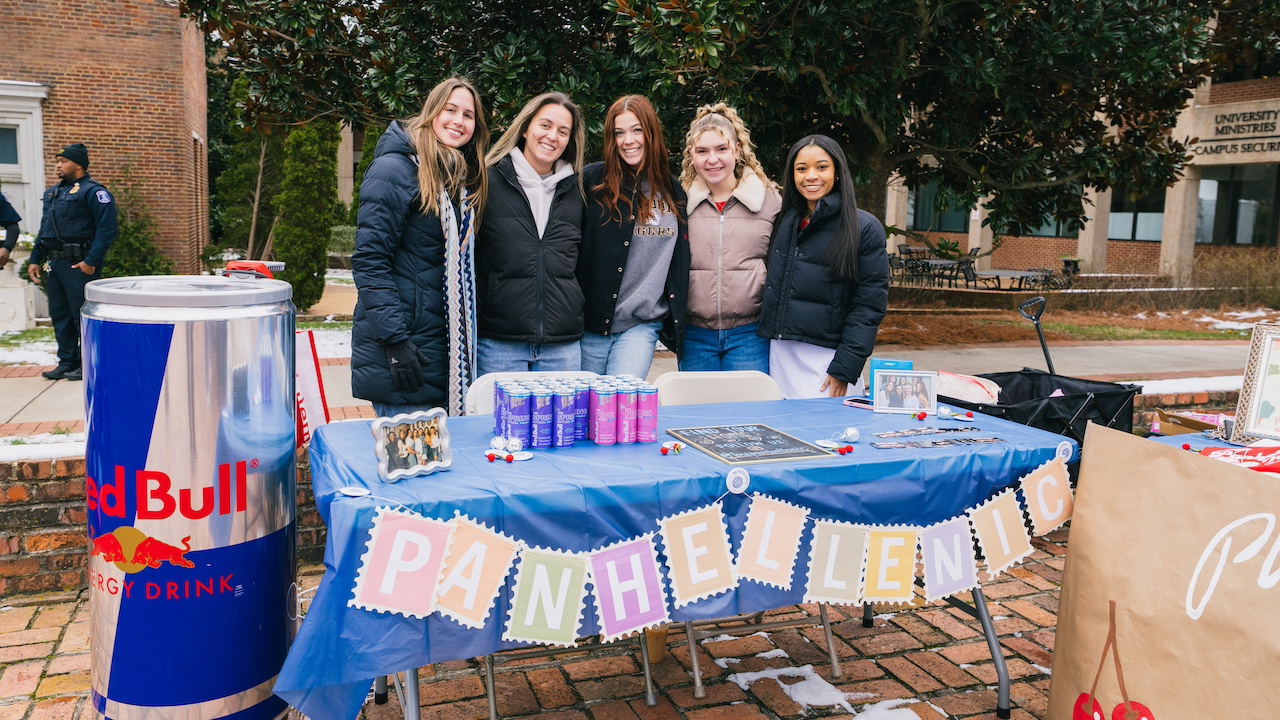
x=412, y=444
x=1258, y=412
x=905, y=391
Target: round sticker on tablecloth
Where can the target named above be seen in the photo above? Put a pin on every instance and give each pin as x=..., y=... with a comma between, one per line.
x=521, y=456
x=354, y=491
x=828, y=444
x=1064, y=451
x=737, y=481
x=498, y=443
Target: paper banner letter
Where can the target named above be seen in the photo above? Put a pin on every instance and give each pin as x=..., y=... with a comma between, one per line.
x=550, y=592
x=836, y=562
x=477, y=565
x=946, y=549
x=771, y=541
x=698, y=555
x=400, y=568
x=628, y=587
x=1003, y=537
x=891, y=565
x=1048, y=493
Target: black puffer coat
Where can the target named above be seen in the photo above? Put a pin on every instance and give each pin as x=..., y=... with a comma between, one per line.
x=605, y=244
x=804, y=301
x=528, y=291
x=398, y=266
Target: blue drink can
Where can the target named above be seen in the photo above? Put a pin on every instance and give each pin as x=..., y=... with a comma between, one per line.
x=499, y=410
x=543, y=424
x=581, y=406
x=190, y=494
x=519, y=414
x=563, y=404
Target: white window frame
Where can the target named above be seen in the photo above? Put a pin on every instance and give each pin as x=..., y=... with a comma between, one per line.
x=21, y=106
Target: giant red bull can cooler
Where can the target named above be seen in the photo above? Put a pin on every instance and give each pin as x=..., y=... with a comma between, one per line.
x=189, y=393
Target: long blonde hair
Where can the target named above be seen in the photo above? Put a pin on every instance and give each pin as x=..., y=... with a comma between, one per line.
x=724, y=120
x=575, y=151
x=441, y=167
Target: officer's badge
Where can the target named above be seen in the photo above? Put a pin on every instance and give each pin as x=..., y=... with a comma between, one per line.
x=74, y=189
x=103, y=197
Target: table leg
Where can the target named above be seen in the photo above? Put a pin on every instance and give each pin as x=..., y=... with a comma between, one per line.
x=1003, y=710
x=650, y=698
x=831, y=645
x=489, y=687
x=698, y=691
x=412, y=710
x=868, y=615
x=380, y=690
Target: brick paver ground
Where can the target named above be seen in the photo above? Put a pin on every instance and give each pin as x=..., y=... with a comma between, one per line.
x=930, y=657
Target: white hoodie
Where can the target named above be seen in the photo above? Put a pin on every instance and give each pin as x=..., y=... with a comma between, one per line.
x=538, y=190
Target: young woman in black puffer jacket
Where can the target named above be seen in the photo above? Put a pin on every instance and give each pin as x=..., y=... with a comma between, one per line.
x=827, y=283
x=413, y=339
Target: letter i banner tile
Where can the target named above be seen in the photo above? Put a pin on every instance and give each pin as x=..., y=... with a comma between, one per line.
x=771, y=541
x=477, y=566
x=836, y=562
x=548, y=598
x=401, y=566
x=699, y=558
x=1047, y=492
x=1001, y=533
x=628, y=587
x=891, y=564
x=946, y=550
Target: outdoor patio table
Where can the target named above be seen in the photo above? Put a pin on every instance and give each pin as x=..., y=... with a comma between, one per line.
x=938, y=269
x=1021, y=277
x=586, y=497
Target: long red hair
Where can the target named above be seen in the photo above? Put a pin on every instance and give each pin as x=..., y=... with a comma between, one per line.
x=620, y=179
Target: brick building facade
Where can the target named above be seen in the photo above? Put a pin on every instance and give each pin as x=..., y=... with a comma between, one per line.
x=1226, y=204
x=128, y=80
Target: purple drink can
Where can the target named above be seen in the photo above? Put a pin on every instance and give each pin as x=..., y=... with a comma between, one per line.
x=519, y=414
x=499, y=410
x=543, y=422
x=626, y=415
x=565, y=417
x=647, y=415
x=604, y=421
x=581, y=408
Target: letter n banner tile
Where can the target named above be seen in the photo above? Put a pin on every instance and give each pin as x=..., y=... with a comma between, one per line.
x=549, y=595
x=400, y=568
x=946, y=550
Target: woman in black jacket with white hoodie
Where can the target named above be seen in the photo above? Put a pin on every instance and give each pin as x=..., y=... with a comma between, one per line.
x=530, y=306
x=827, y=282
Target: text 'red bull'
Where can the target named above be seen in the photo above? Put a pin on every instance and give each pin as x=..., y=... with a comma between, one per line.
x=155, y=499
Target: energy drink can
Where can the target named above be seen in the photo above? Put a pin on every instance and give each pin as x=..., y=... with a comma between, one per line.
x=647, y=414
x=562, y=402
x=604, y=416
x=543, y=424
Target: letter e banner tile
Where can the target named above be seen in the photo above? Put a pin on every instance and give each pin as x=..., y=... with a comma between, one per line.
x=401, y=564
x=698, y=554
x=891, y=565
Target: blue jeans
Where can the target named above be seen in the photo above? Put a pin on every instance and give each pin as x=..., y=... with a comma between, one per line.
x=628, y=353
x=736, y=349
x=508, y=356
x=386, y=410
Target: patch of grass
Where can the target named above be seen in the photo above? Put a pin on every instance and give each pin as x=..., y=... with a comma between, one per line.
x=18, y=338
x=332, y=326
x=61, y=431
x=1068, y=331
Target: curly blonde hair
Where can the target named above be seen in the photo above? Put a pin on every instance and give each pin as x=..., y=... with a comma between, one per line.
x=724, y=120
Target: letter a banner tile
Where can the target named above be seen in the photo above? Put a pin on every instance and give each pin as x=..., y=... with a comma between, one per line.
x=891, y=565
x=835, y=563
x=550, y=593
x=401, y=565
x=698, y=555
x=1047, y=490
x=946, y=549
x=477, y=565
x=629, y=591
x=1003, y=537
x=771, y=541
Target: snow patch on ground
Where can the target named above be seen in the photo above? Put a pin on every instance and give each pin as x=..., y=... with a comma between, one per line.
x=810, y=691
x=724, y=663
x=338, y=277
x=775, y=653
x=1224, y=324
x=333, y=343
x=1190, y=385
x=31, y=353
x=44, y=439
x=892, y=710
x=45, y=451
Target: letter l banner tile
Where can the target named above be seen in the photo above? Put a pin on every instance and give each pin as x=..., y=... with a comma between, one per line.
x=771, y=541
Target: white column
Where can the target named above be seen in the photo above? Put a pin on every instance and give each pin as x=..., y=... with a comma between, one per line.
x=981, y=235
x=346, y=165
x=1091, y=246
x=1178, y=237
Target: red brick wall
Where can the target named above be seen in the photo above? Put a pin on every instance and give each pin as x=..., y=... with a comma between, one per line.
x=1021, y=253
x=1244, y=91
x=43, y=539
x=127, y=79
x=1138, y=257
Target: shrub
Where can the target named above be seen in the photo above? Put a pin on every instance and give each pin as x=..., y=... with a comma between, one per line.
x=342, y=239
x=308, y=207
x=134, y=252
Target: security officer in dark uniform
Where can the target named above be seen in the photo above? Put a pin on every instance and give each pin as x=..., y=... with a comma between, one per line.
x=9, y=220
x=77, y=227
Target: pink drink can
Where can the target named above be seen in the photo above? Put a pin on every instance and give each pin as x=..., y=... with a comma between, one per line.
x=647, y=415
x=604, y=420
x=626, y=416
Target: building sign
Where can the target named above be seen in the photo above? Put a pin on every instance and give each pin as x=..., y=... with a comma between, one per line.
x=1242, y=133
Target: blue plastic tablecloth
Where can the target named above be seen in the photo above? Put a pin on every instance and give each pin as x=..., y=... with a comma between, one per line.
x=586, y=497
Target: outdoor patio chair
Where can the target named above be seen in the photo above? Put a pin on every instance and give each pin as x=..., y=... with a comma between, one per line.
x=693, y=388
x=971, y=278
x=480, y=394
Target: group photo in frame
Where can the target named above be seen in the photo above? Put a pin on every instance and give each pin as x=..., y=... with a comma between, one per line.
x=905, y=391
x=411, y=444
x=1258, y=412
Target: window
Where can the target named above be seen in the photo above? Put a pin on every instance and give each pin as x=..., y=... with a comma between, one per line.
x=8, y=146
x=923, y=215
x=1052, y=228
x=1238, y=205
x=1136, y=219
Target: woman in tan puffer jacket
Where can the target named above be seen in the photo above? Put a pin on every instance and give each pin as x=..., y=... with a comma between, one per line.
x=731, y=209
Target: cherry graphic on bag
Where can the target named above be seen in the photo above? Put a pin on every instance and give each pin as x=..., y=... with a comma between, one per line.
x=1087, y=707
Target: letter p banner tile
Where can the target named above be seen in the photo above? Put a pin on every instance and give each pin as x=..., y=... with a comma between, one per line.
x=400, y=568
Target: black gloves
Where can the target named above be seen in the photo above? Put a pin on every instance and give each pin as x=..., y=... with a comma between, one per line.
x=406, y=368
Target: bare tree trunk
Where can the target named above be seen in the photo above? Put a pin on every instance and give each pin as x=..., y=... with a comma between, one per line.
x=271, y=236
x=257, y=197
x=872, y=196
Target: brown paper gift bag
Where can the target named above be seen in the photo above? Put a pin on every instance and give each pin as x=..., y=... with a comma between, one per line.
x=1188, y=549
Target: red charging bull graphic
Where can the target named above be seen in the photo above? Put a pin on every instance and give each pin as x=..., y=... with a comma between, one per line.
x=189, y=495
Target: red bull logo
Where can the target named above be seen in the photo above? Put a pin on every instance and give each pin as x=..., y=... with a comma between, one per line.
x=155, y=499
x=132, y=551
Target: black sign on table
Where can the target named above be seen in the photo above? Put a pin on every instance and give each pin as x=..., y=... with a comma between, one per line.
x=748, y=444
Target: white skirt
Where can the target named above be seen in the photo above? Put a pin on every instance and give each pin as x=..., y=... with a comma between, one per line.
x=800, y=369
